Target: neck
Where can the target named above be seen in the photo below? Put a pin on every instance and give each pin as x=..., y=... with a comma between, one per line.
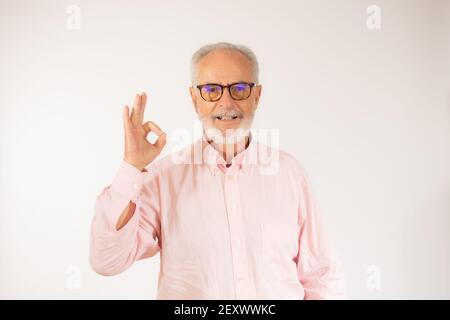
x=229, y=151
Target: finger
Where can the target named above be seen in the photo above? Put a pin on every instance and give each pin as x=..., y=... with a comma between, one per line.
x=126, y=118
x=151, y=126
x=161, y=141
x=142, y=107
x=135, y=111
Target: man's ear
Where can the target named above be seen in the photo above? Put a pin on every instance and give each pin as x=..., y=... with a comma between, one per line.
x=193, y=97
x=258, y=90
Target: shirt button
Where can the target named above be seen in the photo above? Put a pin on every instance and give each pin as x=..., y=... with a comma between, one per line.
x=234, y=208
x=135, y=186
x=238, y=242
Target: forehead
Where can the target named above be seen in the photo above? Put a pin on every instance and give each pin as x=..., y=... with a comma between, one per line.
x=224, y=66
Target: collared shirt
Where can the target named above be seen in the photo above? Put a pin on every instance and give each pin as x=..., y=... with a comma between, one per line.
x=252, y=230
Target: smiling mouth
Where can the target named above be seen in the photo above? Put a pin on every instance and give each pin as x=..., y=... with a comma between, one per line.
x=226, y=118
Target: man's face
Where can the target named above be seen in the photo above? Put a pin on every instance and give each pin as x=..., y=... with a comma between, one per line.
x=227, y=116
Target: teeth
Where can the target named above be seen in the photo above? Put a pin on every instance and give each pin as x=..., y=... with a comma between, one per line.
x=226, y=117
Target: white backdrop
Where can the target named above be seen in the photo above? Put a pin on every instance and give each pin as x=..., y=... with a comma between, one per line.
x=361, y=99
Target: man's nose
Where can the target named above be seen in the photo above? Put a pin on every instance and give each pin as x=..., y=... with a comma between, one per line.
x=226, y=98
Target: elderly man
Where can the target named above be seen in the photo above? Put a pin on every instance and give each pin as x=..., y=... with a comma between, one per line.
x=225, y=226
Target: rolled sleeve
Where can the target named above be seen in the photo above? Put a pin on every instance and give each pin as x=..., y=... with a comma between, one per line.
x=128, y=181
x=113, y=251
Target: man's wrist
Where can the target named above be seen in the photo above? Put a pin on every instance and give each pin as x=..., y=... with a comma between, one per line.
x=138, y=167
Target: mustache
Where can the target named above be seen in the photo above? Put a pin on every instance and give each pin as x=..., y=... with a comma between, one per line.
x=228, y=113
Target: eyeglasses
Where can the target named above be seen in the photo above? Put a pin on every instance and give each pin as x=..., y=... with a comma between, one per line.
x=212, y=92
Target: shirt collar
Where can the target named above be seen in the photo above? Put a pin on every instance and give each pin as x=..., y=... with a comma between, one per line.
x=242, y=161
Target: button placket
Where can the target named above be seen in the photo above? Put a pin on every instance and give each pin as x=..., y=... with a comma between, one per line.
x=237, y=235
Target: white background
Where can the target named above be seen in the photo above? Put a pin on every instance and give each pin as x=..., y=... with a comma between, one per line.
x=366, y=112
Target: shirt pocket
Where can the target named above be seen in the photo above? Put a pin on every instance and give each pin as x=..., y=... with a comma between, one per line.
x=279, y=249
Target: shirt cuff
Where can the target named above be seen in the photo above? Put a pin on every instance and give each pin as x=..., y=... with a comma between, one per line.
x=128, y=181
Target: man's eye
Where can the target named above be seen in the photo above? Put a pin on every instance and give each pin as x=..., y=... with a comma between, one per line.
x=210, y=89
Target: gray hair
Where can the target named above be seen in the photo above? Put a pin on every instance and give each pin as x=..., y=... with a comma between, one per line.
x=203, y=51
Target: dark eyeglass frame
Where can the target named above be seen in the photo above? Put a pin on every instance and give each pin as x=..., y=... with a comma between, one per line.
x=200, y=86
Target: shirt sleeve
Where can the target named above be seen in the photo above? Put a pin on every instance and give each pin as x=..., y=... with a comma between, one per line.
x=113, y=251
x=318, y=267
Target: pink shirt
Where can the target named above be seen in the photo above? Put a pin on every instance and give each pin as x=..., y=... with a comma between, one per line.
x=250, y=231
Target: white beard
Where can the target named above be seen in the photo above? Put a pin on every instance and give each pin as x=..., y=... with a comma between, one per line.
x=231, y=136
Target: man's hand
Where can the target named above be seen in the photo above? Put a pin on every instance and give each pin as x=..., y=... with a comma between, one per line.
x=139, y=152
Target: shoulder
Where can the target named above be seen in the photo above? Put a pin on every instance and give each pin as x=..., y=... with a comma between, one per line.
x=281, y=159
